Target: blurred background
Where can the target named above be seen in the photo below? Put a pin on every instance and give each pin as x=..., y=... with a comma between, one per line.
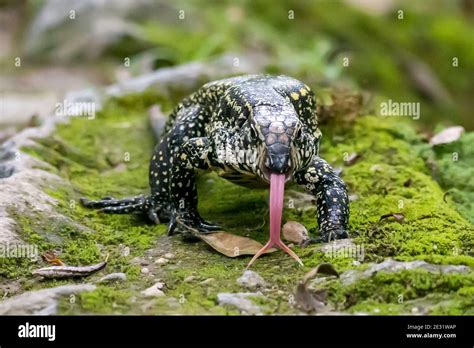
x=408, y=51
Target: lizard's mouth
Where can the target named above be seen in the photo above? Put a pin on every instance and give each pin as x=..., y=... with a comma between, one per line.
x=267, y=172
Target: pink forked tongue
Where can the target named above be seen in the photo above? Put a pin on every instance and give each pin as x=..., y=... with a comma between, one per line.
x=277, y=190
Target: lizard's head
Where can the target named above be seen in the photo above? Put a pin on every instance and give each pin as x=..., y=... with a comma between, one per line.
x=282, y=146
x=279, y=140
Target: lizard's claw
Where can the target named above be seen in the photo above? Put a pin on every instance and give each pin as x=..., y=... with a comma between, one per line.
x=191, y=222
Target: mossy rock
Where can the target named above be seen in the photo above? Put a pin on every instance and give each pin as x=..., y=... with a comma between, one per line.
x=109, y=155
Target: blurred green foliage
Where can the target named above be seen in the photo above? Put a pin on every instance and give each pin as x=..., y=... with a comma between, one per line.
x=382, y=50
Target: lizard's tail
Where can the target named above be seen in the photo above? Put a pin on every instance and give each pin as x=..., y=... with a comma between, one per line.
x=110, y=205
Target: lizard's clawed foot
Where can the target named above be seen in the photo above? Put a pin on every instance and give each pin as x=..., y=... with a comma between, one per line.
x=327, y=236
x=192, y=222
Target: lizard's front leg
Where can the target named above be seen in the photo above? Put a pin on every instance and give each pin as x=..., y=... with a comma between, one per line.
x=331, y=199
x=188, y=157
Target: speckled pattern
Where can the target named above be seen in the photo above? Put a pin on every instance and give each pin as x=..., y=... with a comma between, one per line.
x=244, y=128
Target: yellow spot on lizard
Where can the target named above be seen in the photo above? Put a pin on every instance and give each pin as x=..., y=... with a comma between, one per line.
x=295, y=96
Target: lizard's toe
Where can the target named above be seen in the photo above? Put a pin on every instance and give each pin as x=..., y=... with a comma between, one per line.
x=207, y=226
x=333, y=234
x=190, y=223
x=327, y=236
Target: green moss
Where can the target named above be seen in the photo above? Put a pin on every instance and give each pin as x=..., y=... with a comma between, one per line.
x=14, y=268
x=392, y=292
x=454, y=169
x=103, y=300
x=90, y=156
x=391, y=177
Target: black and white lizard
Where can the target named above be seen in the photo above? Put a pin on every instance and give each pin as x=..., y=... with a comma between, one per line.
x=251, y=130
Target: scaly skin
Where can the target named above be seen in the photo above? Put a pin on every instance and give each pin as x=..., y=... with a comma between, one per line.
x=245, y=128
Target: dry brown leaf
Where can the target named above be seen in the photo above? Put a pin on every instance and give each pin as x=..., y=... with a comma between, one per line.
x=322, y=268
x=231, y=245
x=398, y=216
x=310, y=301
x=352, y=159
x=314, y=301
x=51, y=257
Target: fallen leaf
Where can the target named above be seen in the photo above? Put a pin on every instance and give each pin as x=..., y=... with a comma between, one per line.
x=322, y=268
x=352, y=159
x=447, y=135
x=51, y=257
x=231, y=245
x=314, y=301
x=398, y=216
x=310, y=301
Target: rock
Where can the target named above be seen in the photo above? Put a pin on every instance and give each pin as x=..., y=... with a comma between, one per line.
x=208, y=281
x=295, y=232
x=101, y=24
x=160, y=285
x=41, y=302
x=18, y=108
x=391, y=266
x=449, y=269
x=251, y=280
x=113, y=277
x=145, y=270
x=353, y=197
x=241, y=301
x=161, y=261
x=169, y=256
x=124, y=251
x=189, y=279
x=447, y=135
x=188, y=77
x=154, y=291
x=350, y=276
